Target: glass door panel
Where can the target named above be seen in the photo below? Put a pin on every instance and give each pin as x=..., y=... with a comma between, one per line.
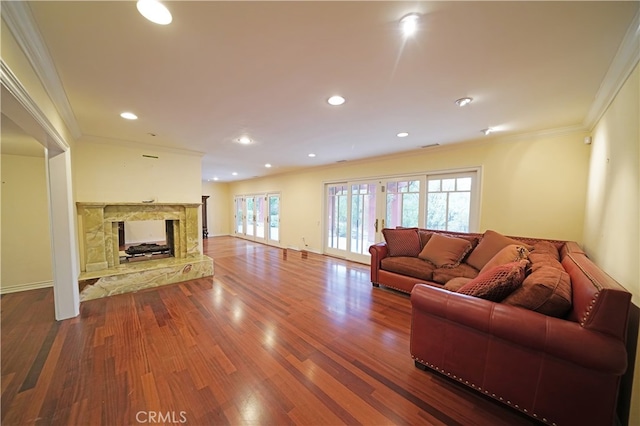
x=239, y=215
x=259, y=217
x=251, y=223
x=273, y=219
x=363, y=217
x=337, y=218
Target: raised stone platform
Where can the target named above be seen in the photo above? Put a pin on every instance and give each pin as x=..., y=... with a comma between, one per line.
x=137, y=276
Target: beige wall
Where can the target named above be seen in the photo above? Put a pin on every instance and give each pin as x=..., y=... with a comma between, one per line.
x=219, y=208
x=612, y=218
x=531, y=186
x=115, y=172
x=26, y=245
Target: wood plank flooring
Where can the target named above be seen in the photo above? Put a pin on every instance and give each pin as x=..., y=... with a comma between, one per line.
x=270, y=340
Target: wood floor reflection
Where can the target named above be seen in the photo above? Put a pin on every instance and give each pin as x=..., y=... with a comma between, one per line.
x=270, y=340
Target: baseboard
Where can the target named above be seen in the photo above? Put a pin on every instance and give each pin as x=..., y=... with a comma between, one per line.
x=25, y=287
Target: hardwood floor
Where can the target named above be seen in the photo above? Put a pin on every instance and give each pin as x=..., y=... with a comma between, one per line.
x=270, y=340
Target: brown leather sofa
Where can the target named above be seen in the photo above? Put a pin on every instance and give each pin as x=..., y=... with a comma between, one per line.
x=560, y=371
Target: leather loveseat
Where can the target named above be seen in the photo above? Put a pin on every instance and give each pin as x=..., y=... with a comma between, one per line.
x=561, y=370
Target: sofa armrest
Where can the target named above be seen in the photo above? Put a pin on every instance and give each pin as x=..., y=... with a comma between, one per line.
x=378, y=252
x=556, y=337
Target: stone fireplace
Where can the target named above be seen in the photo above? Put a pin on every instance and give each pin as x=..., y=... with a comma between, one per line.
x=103, y=273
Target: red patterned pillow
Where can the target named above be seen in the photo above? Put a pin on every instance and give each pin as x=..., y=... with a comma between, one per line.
x=402, y=241
x=496, y=283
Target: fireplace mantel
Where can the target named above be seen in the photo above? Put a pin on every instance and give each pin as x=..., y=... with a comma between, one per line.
x=99, y=255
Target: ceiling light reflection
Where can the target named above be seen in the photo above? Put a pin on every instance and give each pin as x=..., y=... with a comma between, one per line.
x=409, y=24
x=336, y=100
x=154, y=11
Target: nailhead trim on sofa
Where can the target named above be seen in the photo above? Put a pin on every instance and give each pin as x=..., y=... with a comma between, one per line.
x=486, y=392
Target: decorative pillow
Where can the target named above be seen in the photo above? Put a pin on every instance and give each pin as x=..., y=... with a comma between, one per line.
x=491, y=243
x=402, y=242
x=443, y=275
x=511, y=253
x=457, y=283
x=497, y=283
x=546, y=290
x=445, y=251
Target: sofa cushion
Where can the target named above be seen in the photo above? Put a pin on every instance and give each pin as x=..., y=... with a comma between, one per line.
x=546, y=247
x=443, y=275
x=510, y=253
x=444, y=251
x=496, y=283
x=424, y=237
x=402, y=241
x=492, y=242
x=410, y=266
x=457, y=283
x=543, y=259
x=546, y=290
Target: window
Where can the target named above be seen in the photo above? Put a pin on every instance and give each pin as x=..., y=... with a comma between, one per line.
x=403, y=204
x=451, y=202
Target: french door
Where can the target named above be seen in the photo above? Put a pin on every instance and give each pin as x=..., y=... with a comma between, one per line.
x=352, y=220
x=257, y=217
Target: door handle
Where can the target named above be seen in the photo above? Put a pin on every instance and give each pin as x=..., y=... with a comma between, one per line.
x=376, y=225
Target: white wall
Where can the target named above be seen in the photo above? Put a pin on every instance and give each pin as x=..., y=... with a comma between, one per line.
x=26, y=244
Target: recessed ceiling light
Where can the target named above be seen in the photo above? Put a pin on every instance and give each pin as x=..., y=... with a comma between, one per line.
x=402, y=134
x=336, y=100
x=312, y=155
x=487, y=131
x=409, y=24
x=215, y=178
x=154, y=11
x=463, y=101
x=234, y=174
x=267, y=165
x=129, y=116
x=244, y=140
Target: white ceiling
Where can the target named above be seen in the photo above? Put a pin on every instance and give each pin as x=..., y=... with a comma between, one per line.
x=222, y=70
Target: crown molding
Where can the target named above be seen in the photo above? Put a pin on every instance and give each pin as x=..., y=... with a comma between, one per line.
x=621, y=67
x=16, y=88
x=22, y=25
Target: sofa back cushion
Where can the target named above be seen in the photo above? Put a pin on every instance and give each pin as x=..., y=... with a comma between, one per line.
x=402, y=241
x=444, y=251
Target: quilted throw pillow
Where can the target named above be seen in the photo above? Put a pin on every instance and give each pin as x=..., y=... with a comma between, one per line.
x=402, y=241
x=496, y=283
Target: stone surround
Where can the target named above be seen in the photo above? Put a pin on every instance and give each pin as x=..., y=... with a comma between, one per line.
x=103, y=274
